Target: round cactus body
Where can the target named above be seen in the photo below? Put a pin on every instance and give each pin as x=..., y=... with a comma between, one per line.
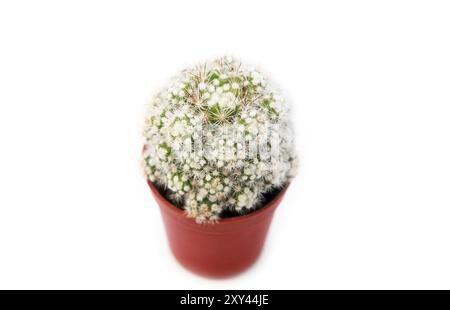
x=218, y=137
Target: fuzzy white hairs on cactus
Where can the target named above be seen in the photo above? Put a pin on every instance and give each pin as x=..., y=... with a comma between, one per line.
x=218, y=137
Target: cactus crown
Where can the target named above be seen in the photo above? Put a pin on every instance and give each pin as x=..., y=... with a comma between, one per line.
x=217, y=138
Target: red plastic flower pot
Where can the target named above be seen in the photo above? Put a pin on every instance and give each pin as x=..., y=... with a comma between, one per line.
x=217, y=250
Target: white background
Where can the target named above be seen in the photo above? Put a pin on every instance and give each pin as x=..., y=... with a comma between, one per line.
x=369, y=83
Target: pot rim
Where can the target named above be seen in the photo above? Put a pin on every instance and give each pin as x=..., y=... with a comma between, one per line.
x=271, y=205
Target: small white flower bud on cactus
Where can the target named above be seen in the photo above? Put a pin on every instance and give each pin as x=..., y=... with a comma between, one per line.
x=218, y=137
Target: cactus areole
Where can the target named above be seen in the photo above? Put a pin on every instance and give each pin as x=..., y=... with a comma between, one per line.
x=218, y=156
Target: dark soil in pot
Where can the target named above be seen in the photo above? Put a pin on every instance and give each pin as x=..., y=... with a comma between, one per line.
x=227, y=213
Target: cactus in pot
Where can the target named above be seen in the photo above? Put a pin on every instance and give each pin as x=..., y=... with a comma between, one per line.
x=218, y=139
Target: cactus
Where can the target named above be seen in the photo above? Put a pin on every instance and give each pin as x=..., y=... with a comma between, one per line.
x=218, y=138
